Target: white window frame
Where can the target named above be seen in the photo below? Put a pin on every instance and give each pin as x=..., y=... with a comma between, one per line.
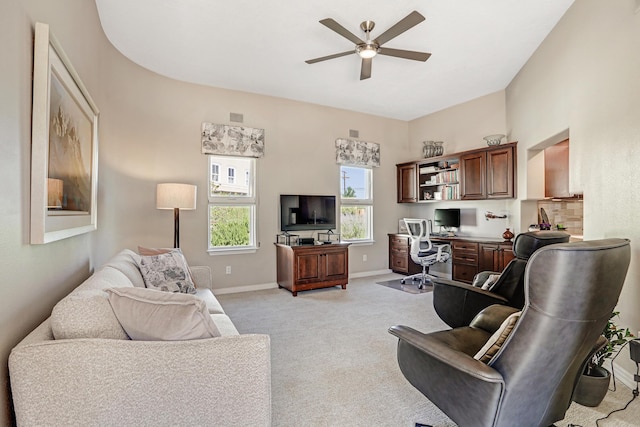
x=249, y=201
x=231, y=175
x=215, y=176
x=366, y=203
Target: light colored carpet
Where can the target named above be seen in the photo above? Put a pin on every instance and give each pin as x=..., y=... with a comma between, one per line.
x=334, y=363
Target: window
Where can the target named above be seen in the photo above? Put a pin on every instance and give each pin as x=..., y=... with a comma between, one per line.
x=356, y=207
x=232, y=206
x=215, y=172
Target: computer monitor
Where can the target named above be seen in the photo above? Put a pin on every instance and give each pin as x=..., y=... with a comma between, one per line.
x=447, y=218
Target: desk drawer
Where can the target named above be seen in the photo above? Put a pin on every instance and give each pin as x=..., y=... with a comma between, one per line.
x=399, y=264
x=464, y=273
x=465, y=258
x=461, y=246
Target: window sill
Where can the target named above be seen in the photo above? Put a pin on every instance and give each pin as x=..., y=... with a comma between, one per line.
x=235, y=251
x=360, y=242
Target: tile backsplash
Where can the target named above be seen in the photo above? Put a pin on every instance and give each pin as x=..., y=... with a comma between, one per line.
x=565, y=212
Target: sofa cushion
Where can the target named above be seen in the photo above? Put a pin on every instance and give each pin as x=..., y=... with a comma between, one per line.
x=224, y=324
x=151, y=315
x=167, y=272
x=127, y=263
x=495, y=342
x=210, y=300
x=86, y=314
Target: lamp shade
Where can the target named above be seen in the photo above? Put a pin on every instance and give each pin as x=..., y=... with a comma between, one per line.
x=171, y=196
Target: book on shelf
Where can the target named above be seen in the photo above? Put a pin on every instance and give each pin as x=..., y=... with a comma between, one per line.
x=428, y=169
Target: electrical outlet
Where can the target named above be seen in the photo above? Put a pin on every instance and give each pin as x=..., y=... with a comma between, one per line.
x=364, y=258
x=228, y=269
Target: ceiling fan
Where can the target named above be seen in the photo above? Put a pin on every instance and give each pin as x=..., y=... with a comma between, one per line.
x=369, y=48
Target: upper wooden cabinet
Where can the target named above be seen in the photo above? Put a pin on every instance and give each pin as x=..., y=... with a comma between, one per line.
x=473, y=172
x=407, y=183
x=486, y=173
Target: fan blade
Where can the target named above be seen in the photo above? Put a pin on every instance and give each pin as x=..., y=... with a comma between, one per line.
x=406, y=54
x=409, y=21
x=333, y=25
x=324, y=58
x=365, y=70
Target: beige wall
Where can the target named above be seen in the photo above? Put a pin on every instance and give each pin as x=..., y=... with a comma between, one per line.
x=584, y=77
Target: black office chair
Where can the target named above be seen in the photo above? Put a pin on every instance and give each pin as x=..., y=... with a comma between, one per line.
x=457, y=303
x=570, y=291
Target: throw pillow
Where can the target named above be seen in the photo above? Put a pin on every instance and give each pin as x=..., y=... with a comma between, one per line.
x=490, y=282
x=150, y=315
x=158, y=251
x=495, y=342
x=167, y=272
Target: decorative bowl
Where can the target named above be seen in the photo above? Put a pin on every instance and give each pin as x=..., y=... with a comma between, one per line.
x=494, y=139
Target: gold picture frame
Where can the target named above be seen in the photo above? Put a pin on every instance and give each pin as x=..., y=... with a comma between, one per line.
x=64, y=146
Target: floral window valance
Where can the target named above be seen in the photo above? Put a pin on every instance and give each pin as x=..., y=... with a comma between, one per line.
x=357, y=153
x=225, y=140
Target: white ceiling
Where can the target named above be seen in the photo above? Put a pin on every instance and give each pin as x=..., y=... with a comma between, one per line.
x=477, y=47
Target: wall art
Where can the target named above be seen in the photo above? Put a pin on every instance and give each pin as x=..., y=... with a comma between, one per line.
x=64, y=146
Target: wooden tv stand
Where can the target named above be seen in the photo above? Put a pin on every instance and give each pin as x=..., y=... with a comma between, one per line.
x=305, y=267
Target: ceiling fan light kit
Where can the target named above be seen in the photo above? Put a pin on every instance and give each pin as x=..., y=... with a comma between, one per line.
x=367, y=49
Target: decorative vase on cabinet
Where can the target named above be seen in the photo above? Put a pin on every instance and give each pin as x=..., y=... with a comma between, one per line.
x=428, y=150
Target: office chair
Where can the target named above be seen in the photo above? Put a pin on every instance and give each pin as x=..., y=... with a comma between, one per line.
x=527, y=381
x=457, y=303
x=422, y=251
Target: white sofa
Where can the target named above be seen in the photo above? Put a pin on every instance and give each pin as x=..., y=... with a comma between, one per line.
x=79, y=368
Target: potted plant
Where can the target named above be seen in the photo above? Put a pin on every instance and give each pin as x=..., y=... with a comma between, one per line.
x=594, y=381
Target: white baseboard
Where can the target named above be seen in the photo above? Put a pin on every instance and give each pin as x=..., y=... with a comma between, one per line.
x=369, y=273
x=249, y=288
x=624, y=376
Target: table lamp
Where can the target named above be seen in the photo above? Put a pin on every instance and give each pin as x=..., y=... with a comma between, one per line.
x=176, y=197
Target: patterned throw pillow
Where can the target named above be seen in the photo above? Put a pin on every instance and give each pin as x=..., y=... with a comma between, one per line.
x=158, y=251
x=167, y=272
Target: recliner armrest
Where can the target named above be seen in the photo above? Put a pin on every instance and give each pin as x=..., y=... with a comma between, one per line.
x=443, y=352
x=457, y=303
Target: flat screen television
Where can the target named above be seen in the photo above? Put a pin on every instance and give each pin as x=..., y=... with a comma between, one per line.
x=307, y=212
x=447, y=218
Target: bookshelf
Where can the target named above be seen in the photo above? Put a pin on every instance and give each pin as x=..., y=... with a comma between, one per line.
x=439, y=180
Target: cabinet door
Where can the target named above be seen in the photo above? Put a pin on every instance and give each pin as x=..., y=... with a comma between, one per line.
x=473, y=170
x=500, y=176
x=407, y=183
x=506, y=255
x=335, y=264
x=308, y=267
x=488, y=257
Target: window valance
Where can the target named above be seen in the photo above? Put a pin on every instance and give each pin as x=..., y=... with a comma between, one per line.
x=225, y=140
x=357, y=153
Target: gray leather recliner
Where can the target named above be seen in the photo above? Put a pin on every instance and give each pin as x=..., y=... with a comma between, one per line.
x=570, y=291
x=457, y=303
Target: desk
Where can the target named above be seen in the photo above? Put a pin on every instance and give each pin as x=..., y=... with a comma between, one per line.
x=470, y=255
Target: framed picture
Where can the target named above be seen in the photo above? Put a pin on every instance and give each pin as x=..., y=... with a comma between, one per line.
x=64, y=146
